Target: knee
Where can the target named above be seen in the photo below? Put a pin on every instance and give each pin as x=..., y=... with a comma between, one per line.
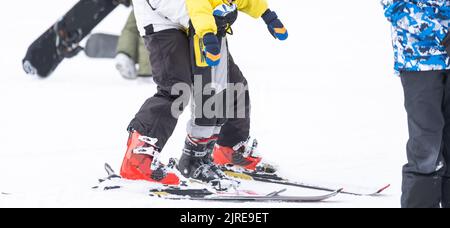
x=424, y=166
x=176, y=100
x=175, y=91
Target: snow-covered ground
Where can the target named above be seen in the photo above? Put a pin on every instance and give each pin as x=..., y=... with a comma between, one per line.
x=326, y=107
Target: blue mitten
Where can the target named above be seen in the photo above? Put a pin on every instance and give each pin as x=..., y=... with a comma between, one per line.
x=212, y=49
x=276, y=28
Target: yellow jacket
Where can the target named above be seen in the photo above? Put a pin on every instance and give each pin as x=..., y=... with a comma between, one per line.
x=201, y=12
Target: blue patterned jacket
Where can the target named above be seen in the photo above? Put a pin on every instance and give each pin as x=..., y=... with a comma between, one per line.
x=418, y=29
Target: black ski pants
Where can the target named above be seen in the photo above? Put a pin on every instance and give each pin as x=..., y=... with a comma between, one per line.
x=426, y=175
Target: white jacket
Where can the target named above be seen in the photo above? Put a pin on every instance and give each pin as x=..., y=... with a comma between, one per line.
x=162, y=14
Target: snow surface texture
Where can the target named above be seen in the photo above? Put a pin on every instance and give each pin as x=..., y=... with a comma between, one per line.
x=326, y=107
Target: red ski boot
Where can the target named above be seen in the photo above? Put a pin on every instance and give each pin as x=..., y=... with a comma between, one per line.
x=140, y=163
x=241, y=156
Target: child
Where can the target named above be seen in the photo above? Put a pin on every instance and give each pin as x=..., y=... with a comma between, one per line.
x=177, y=58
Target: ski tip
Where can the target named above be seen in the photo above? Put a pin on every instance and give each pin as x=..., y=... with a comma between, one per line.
x=109, y=170
x=108, y=188
x=337, y=192
x=383, y=188
x=277, y=193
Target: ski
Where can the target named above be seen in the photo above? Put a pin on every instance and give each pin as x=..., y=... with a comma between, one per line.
x=206, y=195
x=240, y=196
x=188, y=192
x=275, y=179
x=272, y=197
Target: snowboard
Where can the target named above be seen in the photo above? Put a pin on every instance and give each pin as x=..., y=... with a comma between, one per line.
x=61, y=40
x=101, y=45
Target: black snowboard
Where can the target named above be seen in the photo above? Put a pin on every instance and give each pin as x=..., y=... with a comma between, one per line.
x=100, y=45
x=62, y=39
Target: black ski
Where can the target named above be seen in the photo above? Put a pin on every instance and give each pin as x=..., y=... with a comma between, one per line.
x=275, y=179
x=206, y=195
x=272, y=197
x=186, y=192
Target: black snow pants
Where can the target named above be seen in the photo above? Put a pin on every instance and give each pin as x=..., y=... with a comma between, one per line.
x=426, y=182
x=171, y=59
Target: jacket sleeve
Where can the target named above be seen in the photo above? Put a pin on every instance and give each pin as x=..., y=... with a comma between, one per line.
x=174, y=10
x=201, y=14
x=409, y=17
x=254, y=8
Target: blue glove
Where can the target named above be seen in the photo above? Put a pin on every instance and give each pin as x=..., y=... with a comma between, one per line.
x=212, y=49
x=276, y=28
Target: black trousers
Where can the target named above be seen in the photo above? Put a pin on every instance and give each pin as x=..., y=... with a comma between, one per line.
x=171, y=60
x=426, y=175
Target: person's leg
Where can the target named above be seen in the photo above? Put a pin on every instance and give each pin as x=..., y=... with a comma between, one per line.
x=206, y=121
x=233, y=146
x=446, y=189
x=170, y=60
x=128, y=38
x=127, y=49
x=236, y=129
x=145, y=68
x=446, y=141
x=131, y=37
x=155, y=121
x=424, y=92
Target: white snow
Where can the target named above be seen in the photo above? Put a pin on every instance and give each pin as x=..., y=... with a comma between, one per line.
x=326, y=107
